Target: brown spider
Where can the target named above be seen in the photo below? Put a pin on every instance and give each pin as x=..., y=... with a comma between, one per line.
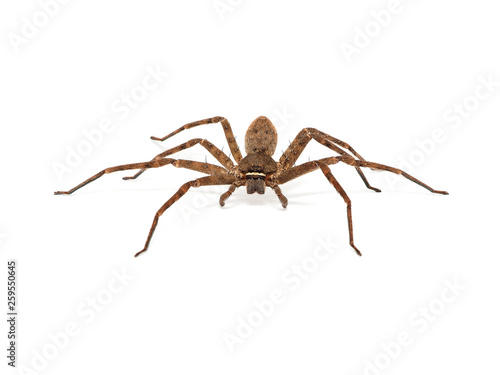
x=258, y=169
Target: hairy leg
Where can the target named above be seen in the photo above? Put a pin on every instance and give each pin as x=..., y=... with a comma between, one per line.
x=179, y=163
x=222, y=179
x=302, y=169
x=328, y=174
x=218, y=154
x=382, y=167
x=147, y=165
x=199, y=166
x=300, y=142
x=296, y=172
x=235, y=151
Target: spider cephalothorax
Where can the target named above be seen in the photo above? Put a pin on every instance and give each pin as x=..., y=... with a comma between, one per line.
x=257, y=170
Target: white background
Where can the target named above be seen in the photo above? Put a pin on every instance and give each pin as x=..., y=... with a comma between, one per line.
x=207, y=265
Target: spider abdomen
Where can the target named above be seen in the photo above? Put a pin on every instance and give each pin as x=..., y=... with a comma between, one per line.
x=261, y=137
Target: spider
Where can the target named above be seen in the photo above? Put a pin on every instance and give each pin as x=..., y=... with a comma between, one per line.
x=257, y=170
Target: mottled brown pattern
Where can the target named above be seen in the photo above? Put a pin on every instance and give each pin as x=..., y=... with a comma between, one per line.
x=233, y=146
x=261, y=137
x=218, y=154
x=257, y=170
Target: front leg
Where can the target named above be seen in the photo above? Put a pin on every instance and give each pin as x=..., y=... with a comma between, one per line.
x=210, y=147
x=381, y=167
x=147, y=165
x=300, y=142
x=284, y=176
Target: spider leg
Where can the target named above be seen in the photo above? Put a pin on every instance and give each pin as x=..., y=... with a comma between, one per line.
x=298, y=145
x=179, y=163
x=228, y=132
x=367, y=184
x=214, y=150
x=328, y=174
x=219, y=179
x=368, y=164
x=199, y=166
x=147, y=165
x=296, y=172
x=302, y=169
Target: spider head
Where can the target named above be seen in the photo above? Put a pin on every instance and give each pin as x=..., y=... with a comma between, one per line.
x=261, y=137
